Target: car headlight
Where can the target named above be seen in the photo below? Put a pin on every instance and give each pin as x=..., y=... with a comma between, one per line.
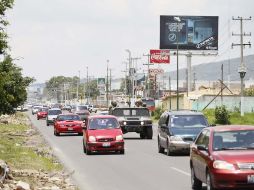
x=92, y=139
x=124, y=123
x=62, y=125
x=223, y=165
x=119, y=137
x=175, y=138
x=142, y=123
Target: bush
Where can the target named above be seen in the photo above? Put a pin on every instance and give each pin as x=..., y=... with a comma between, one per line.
x=157, y=113
x=221, y=115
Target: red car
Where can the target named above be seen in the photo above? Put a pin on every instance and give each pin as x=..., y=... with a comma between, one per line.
x=103, y=133
x=223, y=158
x=68, y=123
x=42, y=113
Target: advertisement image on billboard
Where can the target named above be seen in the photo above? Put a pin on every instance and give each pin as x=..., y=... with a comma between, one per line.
x=159, y=56
x=189, y=33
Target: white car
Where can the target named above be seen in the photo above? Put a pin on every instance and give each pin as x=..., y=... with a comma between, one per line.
x=92, y=108
x=35, y=109
x=52, y=115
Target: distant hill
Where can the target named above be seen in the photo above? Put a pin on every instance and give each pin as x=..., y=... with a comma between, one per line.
x=212, y=71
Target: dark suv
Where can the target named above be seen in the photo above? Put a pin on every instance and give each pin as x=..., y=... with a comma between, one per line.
x=134, y=119
x=178, y=129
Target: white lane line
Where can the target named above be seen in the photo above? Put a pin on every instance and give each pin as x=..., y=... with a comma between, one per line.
x=180, y=171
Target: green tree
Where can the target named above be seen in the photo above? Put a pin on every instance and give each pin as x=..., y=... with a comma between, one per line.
x=92, y=90
x=12, y=86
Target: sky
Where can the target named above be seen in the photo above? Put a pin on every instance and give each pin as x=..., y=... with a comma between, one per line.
x=65, y=37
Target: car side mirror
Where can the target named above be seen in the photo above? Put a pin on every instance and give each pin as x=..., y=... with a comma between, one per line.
x=202, y=148
x=164, y=126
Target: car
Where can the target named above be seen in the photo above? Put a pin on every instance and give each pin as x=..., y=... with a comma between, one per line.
x=52, y=115
x=222, y=157
x=42, y=113
x=68, y=123
x=82, y=111
x=103, y=133
x=35, y=109
x=134, y=119
x=103, y=113
x=92, y=108
x=178, y=129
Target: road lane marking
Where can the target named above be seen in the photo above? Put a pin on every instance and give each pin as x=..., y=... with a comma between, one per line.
x=180, y=171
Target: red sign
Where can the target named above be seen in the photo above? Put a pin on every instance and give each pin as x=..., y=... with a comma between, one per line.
x=159, y=56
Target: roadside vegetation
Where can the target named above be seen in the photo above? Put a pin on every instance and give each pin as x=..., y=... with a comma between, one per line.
x=16, y=151
x=234, y=118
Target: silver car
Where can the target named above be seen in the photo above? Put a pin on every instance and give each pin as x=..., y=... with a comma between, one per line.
x=52, y=115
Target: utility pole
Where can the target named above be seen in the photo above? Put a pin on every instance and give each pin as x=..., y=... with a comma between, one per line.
x=110, y=80
x=130, y=85
x=221, y=84
x=242, y=67
x=134, y=82
x=107, y=84
x=194, y=81
x=87, y=86
x=169, y=85
x=148, y=78
x=125, y=82
x=78, y=81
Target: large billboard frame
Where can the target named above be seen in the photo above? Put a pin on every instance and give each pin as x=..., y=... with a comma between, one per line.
x=190, y=33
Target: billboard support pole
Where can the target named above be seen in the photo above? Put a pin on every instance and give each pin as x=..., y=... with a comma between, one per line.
x=188, y=56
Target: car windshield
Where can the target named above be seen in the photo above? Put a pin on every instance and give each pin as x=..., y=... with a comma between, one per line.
x=43, y=109
x=68, y=118
x=188, y=121
x=54, y=112
x=233, y=140
x=103, y=123
x=81, y=108
x=131, y=112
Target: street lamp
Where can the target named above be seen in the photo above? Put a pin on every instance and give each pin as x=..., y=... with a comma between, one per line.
x=177, y=69
x=242, y=72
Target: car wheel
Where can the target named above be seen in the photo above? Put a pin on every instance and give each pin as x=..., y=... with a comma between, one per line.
x=142, y=135
x=209, y=182
x=122, y=151
x=37, y=118
x=84, y=148
x=149, y=132
x=169, y=152
x=80, y=134
x=56, y=133
x=47, y=124
x=160, y=148
x=195, y=182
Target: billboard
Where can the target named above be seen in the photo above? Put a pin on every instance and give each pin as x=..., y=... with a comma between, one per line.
x=189, y=33
x=159, y=56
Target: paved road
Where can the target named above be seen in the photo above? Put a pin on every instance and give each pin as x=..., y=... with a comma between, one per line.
x=141, y=168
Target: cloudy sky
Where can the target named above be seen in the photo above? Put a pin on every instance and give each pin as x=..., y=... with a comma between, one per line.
x=63, y=37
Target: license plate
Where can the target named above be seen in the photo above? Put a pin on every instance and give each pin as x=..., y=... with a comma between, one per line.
x=70, y=129
x=107, y=144
x=250, y=178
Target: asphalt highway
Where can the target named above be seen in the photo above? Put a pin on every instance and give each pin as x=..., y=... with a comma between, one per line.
x=140, y=168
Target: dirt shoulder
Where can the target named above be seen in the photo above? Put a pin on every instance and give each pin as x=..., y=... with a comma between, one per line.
x=26, y=160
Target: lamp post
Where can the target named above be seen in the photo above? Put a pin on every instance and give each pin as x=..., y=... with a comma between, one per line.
x=177, y=67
